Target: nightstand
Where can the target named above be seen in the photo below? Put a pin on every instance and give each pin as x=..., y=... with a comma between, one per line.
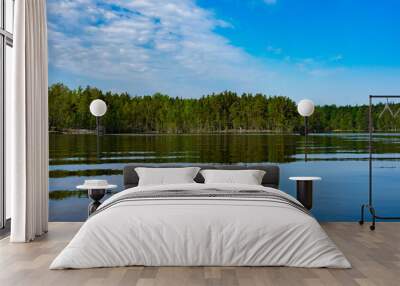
x=96, y=190
x=305, y=190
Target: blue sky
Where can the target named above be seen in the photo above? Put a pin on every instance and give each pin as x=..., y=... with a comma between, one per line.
x=329, y=51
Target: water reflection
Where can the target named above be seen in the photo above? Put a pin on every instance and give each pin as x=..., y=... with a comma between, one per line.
x=61, y=195
x=340, y=159
x=83, y=172
x=64, y=194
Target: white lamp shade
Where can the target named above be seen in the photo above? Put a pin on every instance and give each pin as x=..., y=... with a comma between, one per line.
x=305, y=107
x=98, y=107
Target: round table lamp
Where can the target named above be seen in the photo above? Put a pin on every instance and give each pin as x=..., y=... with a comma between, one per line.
x=98, y=107
x=305, y=108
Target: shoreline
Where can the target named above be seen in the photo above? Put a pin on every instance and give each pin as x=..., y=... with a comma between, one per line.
x=93, y=132
x=222, y=132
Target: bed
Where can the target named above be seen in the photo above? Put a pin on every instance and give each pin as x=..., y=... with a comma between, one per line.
x=198, y=224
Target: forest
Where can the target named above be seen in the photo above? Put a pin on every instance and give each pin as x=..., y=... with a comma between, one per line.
x=218, y=112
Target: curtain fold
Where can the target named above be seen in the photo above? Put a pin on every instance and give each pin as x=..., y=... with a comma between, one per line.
x=27, y=123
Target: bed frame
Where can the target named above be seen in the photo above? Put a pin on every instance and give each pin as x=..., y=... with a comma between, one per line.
x=270, y=179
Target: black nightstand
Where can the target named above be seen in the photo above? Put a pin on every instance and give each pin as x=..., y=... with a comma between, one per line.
x=305, y=190
x=96, y=190
x=96, y=195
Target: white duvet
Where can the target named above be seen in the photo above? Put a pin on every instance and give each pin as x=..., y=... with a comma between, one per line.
x=212, y=231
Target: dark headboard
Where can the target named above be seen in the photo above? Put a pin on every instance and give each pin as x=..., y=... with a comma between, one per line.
x=271, y=177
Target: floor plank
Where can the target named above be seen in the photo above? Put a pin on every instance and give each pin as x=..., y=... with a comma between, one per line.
x=375, y=257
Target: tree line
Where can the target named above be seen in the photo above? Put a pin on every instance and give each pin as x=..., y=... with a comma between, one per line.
x=217, y=112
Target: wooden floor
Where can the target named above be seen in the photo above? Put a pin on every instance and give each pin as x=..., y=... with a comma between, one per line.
x=375, y=257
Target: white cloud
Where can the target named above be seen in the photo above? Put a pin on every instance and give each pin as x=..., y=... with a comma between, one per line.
x=145, y=46
x=274, y=50
x=336, y=58
x=169, y=47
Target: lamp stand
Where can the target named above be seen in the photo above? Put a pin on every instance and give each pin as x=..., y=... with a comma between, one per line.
x=305, y=137
x=97, y=125
x=98, y=136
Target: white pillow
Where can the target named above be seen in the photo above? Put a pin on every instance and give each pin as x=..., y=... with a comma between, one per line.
x=248, y=177
x=166, y=176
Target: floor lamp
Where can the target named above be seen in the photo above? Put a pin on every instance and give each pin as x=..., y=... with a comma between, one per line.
x=305, y=108
x=98, y=108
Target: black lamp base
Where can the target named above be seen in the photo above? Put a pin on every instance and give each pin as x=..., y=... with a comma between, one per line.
x=96, y=195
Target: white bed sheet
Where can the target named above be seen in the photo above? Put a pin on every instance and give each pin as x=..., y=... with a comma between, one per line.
x=200, y=232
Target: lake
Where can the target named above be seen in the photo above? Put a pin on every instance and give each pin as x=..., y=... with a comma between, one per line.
x=340, y=159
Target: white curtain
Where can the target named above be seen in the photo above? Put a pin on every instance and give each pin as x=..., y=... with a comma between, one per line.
x=27, y=124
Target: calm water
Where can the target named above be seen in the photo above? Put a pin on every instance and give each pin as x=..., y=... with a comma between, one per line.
x=340, y=159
